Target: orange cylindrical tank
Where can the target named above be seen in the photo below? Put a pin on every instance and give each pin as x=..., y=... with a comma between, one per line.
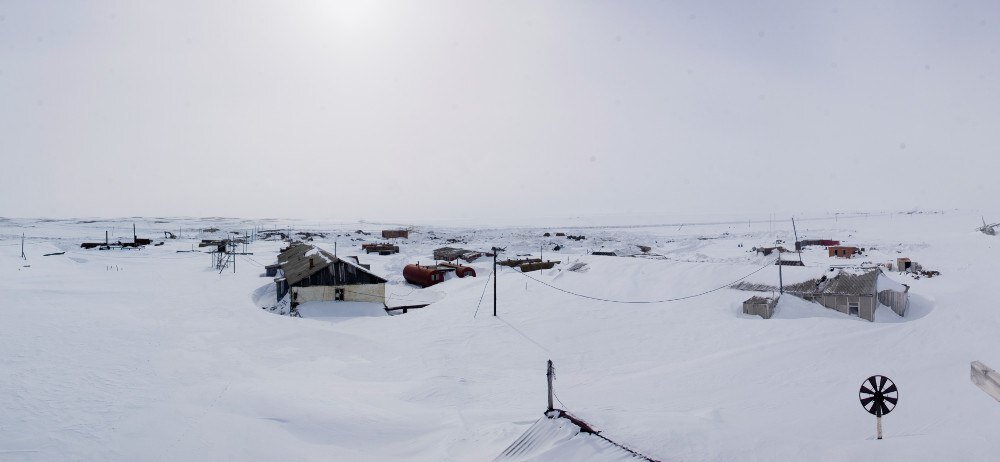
x=422, y=276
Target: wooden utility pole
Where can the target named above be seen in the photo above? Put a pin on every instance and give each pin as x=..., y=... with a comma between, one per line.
x=22, y=247
x=495, y=252
x=781, y=282
x=549, y=374
x=798, y=248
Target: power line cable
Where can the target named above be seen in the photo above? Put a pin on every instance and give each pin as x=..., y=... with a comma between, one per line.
x=676, y=299
x=485, y=286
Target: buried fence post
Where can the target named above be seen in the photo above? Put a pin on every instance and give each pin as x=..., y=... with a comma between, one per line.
x=549, y=374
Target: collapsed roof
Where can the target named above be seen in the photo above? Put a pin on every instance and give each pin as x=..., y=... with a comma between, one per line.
x=300, y=261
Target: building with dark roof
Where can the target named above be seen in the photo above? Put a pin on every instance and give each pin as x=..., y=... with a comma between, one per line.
x=311, y=274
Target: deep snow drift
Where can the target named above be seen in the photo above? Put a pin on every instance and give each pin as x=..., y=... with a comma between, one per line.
x=152, y=355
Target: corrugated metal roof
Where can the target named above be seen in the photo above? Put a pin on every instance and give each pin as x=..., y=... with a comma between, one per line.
x=843, y=283
x=852, y=284
x=295, y=262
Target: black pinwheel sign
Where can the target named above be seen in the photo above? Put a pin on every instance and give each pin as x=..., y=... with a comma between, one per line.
x=878, y=395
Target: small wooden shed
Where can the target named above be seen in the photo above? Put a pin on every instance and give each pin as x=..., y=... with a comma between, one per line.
x=760, y=306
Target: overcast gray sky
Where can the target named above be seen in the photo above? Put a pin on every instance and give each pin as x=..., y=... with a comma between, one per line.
x=429, y=109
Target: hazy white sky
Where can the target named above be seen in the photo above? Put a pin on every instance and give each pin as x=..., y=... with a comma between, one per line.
x=417, y=110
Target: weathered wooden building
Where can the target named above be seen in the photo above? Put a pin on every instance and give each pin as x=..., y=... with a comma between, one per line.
x=395, y=234
x=311, y=274
x=849, y=293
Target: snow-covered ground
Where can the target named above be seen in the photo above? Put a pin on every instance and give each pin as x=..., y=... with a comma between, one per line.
x=152, y=355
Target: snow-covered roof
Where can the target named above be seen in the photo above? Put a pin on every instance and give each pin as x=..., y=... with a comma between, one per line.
x=807, y=280
x=846, y=283
x=299, y=261
x=789, y=275
x=886, y=283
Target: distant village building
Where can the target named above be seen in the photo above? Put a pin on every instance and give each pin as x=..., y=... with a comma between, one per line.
x=395, y=234
x=452, y=254
x=842, y=251
x=789, y=262
x=799, y=245
x=311, y=274
x=905, y=265
x=381, y=249
x=769, y=250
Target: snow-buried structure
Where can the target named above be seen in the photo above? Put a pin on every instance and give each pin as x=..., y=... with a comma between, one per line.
x=311, y=274
x=855, y=294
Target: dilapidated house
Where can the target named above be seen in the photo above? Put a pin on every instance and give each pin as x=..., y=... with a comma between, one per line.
x=852, y=293
x=312, y=274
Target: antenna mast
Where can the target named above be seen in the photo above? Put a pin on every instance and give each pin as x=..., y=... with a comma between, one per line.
x=798, y=248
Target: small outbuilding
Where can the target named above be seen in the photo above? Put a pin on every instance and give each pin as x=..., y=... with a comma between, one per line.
x=760, y=306
x=905, y=265
x=843, y=251
x=395, y=234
